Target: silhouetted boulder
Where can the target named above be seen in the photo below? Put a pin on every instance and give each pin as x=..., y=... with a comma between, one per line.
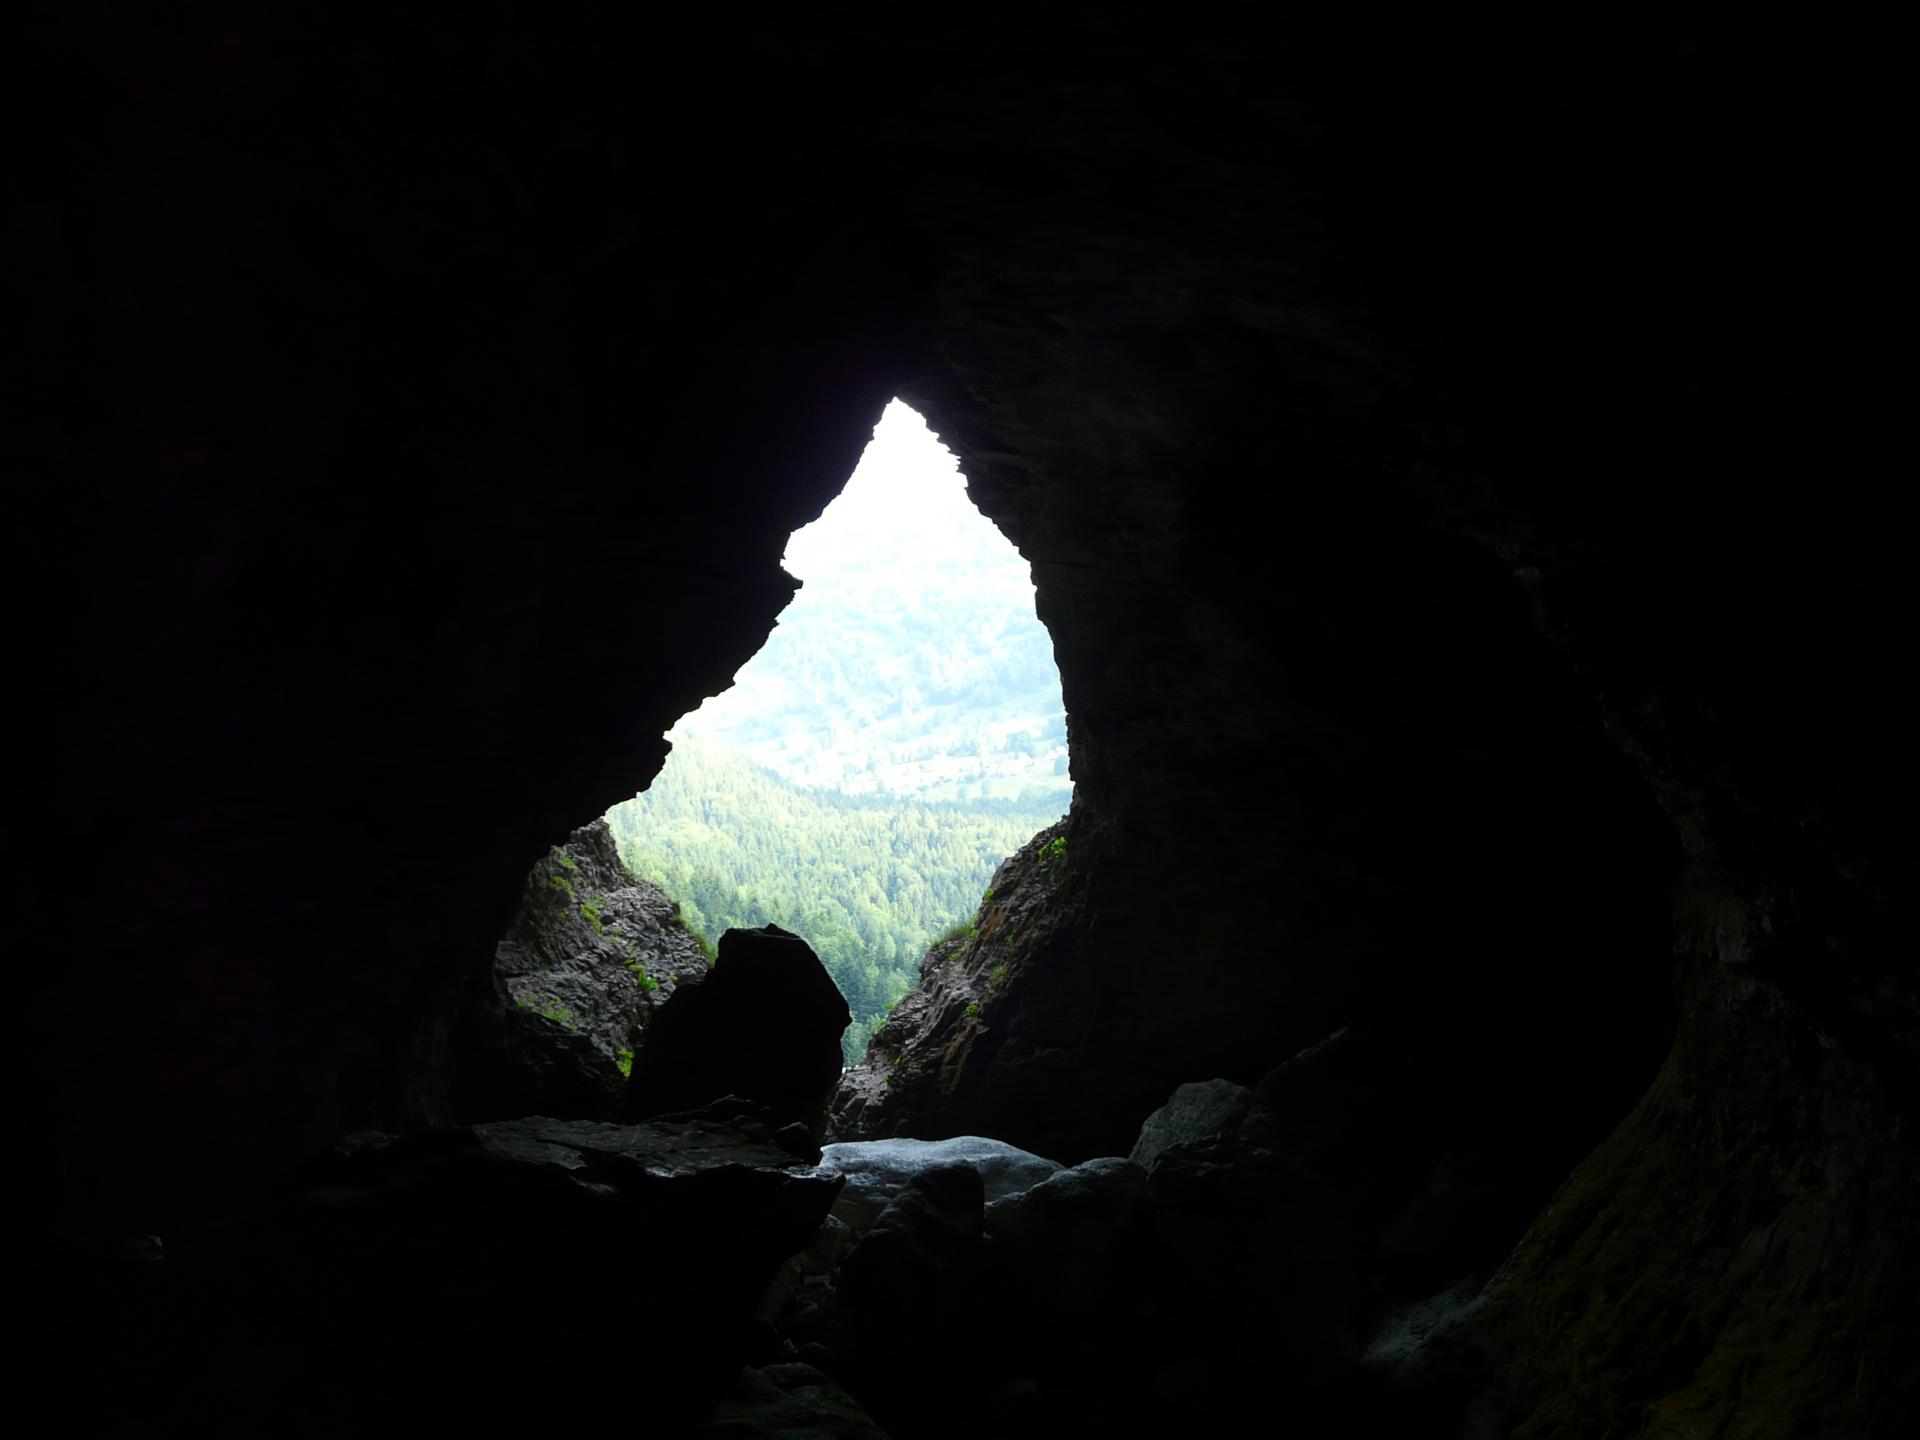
x=765, y=1024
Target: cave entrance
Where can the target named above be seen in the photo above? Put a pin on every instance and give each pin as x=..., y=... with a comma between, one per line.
x=899, y=734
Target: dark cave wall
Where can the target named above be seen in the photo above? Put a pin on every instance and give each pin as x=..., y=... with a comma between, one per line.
x=1685, y=296
x=1452, y=489
x=422, y=416
x=1328, y=768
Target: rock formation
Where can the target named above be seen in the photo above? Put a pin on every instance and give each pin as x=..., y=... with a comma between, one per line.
x=788, y=1402
x=479, y=1278
x=1454, y=459
x=764, y=1023
x=877, y=1170
x=986, y=1002
x=591, y=955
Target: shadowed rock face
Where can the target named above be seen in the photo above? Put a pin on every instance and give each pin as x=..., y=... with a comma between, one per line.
x=1454, y=484
x=925, y=1067
x=591, y=955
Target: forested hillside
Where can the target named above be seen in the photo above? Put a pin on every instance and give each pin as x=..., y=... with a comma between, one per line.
x=867, y=880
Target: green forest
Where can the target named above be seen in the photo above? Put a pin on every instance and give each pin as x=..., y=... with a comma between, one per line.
x=868, y=880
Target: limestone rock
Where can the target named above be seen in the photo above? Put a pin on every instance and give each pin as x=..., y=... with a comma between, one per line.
x=1694, y=1250
x=1412, y=1338
x=530, y=1062
x=878, y=1170
x=1071, y=1260
x=910, y=1318
x=1240, y=1232
x=970, y=1009
x=1109, y=1186
x=765, y=1024
x=787, y=1402
x=1202, y=1110
x=591, y=954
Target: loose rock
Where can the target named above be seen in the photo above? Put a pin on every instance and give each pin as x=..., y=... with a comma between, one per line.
x=878, y=1170
x=1201, y=1111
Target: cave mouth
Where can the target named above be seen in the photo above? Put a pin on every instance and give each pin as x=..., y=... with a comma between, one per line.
x=899, y=734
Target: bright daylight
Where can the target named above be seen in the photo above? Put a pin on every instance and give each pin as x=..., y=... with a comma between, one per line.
x=900, y=734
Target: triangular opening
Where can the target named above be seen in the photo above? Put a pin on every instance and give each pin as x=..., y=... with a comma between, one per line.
x=900, y=733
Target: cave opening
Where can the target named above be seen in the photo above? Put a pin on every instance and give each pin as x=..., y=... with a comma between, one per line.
x=1453, y=461
x=898, y=735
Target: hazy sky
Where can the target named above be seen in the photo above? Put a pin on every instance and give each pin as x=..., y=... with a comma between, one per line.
x=911, y=659
x=906, y=494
